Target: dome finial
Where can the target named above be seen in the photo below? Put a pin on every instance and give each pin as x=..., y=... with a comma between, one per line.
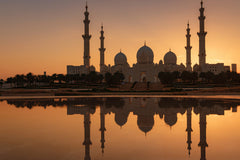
x=170, y=50
x=145, y=43
x=102, y=26
x=188, y=24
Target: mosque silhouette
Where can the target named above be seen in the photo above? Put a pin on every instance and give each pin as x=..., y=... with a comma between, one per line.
x=145, y=70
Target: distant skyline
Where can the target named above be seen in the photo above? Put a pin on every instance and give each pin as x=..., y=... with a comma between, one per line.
x=38, y=36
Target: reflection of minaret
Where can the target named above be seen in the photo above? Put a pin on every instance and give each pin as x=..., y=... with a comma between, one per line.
x=86, y=38
x=202, y=34
x=102, y=129
x=102, y=50
x=234, y=108
x=87, y=142
x=188, y=50
x=203, y=142
x=189, y=129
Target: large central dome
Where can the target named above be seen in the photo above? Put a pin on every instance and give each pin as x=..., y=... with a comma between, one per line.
x=145, y=55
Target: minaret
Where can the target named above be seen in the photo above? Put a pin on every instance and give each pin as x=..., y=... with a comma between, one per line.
x=203, y=142
x=102, y=129
x=188, y=50
x=202, y=34
x=86, y=38
x=189, y=129
x=102, y=50
x=87, y=142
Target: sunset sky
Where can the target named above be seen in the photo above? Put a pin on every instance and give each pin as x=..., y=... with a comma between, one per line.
x=46, y=35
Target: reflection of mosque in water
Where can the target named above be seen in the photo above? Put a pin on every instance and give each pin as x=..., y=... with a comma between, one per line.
x=144, y=108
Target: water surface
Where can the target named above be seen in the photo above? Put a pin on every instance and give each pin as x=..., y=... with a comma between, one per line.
x=119, y=128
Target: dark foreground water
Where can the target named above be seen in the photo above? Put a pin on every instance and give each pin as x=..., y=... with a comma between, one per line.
x=119, y=129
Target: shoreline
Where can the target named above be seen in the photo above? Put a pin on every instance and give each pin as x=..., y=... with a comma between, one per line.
x=225, y=97
x=67, y=92
x=231, y=96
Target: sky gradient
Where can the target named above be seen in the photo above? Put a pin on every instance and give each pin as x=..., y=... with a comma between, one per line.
x=46, y=35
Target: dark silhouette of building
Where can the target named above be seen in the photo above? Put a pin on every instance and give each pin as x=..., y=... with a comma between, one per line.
x=86, y=38
x=145, y=70
x=188, y=50
x=202, y=35
x=86, y=68
x=103, y=67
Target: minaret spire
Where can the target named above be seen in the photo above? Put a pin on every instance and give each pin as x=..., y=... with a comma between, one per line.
x=188, y=50
x=203, y=127
x=189, y=129
x=86, y=38
x=87, y=142
x=102, y=50
x=202, y=34
x=102, y=128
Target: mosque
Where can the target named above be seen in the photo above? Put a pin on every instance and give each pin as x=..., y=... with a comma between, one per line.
x=145, y=70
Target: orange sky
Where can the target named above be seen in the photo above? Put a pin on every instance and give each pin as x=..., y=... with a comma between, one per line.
x=38, y=36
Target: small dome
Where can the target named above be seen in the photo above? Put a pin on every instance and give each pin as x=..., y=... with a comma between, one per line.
x=92, y=68
x=145, y=55
x=196, y=68
x=170, y=58
x=145, y=123
x=170, y=119
x=120, y=59
x=121, y=119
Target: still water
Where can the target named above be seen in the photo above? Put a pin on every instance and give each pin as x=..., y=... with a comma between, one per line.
x=120, y=129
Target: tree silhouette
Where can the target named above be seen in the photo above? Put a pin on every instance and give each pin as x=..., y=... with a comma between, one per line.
x=19, y=80
x=1, y=82
x=209, y=77
x=186, y=76
x=30, y=79
x=118, y=78
x=10, y=80
x=108, y=78
x=194, y=77
x=168, y=77
x=93, y=77
x=60, y=78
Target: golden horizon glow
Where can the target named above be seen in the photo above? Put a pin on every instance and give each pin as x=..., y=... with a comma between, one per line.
x=41, y=36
